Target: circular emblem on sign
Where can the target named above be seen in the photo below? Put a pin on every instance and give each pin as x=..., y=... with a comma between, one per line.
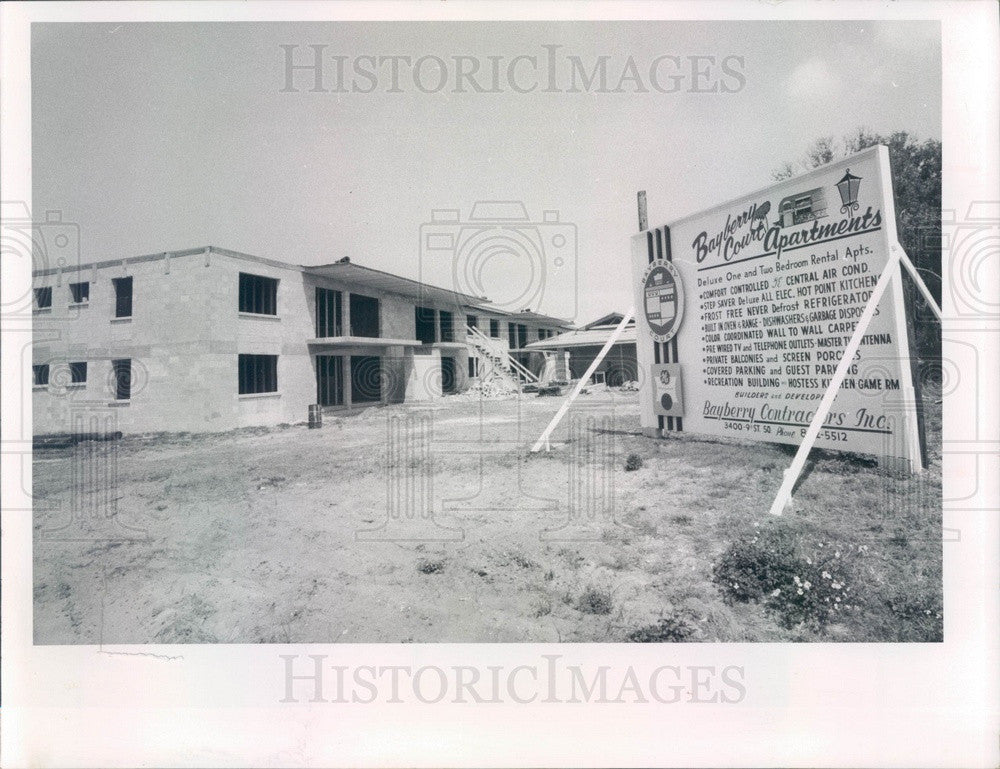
x=663, y=299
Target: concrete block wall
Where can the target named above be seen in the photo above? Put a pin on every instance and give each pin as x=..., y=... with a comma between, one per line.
x=423, y=381
x=170, y=339
x=186, y=333
x=183, y=338
x=398, y=317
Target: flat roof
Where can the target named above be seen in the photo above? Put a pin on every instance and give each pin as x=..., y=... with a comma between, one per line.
x=595, y=337
x=200, y=250
x=378, y=280
x=343, y=270
x=521, y=315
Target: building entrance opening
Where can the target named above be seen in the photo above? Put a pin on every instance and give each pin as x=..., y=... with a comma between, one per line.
x=449, y=379
x=366, y=379
x=329, y=380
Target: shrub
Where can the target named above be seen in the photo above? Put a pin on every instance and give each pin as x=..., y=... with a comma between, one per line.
x=750, y=569
x=633, y=462
x=810, y=589
x=594, y=601
x=820, y=595
x=918, y=611
x=671, y=628
x=430, y=567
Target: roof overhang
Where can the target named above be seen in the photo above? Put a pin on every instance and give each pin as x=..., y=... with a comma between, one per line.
x=385, y=282
x=591, y=338
x=361, y=341
x=523, y=316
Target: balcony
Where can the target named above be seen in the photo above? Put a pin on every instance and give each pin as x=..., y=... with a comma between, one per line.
x=334, y=342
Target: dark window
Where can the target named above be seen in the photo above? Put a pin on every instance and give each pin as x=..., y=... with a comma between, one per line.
x=80, y=292
x=426, y=319
x=123, y=297
x=122, y=370
x=472, y=321
x=43, y=298
x=258, y=374
x=258, y=295
x=447, y=326
x=473, y=366
x=522, y=335
x=495, y=329
x=40, y=374
x=364, y=316
x=449, y=378
x=329, y=305
x=366, y=379
x=329, y=380
x=78, y=372
x=512, y=335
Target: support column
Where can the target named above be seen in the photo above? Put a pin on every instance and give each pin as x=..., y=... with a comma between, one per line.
x=345, y=367
x=345, y=314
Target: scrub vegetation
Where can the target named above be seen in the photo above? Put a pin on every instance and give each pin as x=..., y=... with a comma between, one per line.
x=281, y=535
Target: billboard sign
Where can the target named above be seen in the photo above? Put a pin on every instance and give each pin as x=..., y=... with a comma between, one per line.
x=754, y=301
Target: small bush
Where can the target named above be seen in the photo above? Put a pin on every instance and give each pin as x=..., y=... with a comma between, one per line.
x=810, y=589
x=594, y=601
x=750, y=569
x=632, y=462
x=430, y=567
x=917, y=610
x=666, y=629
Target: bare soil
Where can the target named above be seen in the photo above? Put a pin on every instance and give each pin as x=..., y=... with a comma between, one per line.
x=266, y=535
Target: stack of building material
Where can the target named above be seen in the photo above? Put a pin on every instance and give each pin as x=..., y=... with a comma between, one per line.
x=492, y=388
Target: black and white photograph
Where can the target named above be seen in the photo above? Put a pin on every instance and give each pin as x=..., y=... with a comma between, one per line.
x=348, y=330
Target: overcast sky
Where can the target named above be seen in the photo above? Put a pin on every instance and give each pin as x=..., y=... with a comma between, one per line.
x=157, y=137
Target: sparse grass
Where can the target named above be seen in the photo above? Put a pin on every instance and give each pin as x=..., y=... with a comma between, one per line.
x=221, y=539
x=619, y=562
x=572, y=557
x=518, y=559
x=595, y=601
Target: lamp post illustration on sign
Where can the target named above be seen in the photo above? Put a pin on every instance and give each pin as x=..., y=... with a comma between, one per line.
x=795, y=329
x=848, y=189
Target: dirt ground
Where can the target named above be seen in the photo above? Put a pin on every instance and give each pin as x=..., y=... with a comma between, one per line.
x=282, y=535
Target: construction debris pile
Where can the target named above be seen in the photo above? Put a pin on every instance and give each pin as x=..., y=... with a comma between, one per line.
x=494, y=388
